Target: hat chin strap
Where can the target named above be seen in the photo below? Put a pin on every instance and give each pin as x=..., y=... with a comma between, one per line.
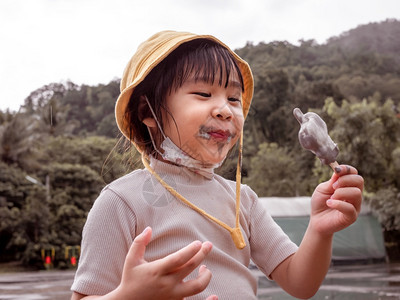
x=235, y=232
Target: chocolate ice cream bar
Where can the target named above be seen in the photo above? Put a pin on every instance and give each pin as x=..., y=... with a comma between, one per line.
x=313, y=136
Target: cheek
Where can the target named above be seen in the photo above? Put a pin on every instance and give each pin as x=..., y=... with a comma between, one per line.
x=239, y=121
x=171, y=124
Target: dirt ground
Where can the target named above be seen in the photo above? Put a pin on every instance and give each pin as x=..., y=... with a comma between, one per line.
x=38, y=285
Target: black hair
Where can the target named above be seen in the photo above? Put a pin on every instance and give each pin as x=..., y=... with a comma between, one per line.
x=202, y=59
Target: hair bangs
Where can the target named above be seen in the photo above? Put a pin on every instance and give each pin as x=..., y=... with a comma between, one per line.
x=204, y=60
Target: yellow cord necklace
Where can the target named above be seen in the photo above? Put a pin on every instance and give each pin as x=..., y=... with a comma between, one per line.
x=235, y=232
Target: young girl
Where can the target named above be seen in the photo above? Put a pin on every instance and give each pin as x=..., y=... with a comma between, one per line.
x=183, y=101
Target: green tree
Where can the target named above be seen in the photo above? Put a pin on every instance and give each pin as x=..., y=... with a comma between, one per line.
x=14, y=190
x=93, y=108
x=273, y=172
x=17, y=141
x=79, y=182
x=6, y=117
x=368, y=135
x=34, y=227
x=11, y=244
x=99, y=153
x=386, y=202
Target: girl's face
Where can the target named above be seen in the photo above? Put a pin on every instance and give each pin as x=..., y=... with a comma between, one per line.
x=205, y=119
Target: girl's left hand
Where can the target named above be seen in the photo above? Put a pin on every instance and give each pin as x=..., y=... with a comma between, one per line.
x=335, y=204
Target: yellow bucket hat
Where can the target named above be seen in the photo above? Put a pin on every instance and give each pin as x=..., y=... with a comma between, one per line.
x=151, y=52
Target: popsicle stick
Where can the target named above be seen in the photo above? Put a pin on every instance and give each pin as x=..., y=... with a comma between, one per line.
x=334, y=165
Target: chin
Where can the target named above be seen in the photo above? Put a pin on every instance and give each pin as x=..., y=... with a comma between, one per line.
x=213, y=155
x=215, y=160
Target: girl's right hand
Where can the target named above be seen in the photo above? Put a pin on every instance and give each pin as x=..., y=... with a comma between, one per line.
x=163, y=278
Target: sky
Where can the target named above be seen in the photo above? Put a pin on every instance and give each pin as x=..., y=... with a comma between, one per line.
x=90, y=41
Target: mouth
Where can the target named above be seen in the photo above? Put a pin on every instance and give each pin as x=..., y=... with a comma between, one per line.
x=218, y=135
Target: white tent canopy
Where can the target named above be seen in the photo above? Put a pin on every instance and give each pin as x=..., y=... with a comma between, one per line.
x=293, y=206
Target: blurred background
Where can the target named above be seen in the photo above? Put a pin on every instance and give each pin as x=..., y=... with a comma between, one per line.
x=61, y=63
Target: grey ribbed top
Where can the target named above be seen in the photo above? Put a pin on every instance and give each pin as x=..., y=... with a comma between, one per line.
x=128, y=205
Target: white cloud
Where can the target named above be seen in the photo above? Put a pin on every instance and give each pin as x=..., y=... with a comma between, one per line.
x=89, y=41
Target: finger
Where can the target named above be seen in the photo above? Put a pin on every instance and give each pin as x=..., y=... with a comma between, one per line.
x=179, y=258
x=197, y=285
x=136, y=252
x=325, y=188
x=349, y=181
x=345, y=170
x=342, y=170
x=195, y=261
x=347, y=209
x=351, y=195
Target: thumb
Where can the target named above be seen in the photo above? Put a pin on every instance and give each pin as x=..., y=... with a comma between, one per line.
x=135, y=255
x=326, y=188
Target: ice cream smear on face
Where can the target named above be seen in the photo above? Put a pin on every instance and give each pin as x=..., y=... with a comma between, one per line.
x=313, y=136
x=208, y=133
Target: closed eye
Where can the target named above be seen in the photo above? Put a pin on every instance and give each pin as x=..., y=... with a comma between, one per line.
x=207, y=95
x=233, y=99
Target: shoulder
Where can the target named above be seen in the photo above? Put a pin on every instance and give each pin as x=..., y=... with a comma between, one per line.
x=128, y=179
x=248, y=197
x=244, y=188
x=126, y=183
x=121, y=191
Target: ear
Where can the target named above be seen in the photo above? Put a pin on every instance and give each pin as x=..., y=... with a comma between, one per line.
x=149, y=122
x=145, y=114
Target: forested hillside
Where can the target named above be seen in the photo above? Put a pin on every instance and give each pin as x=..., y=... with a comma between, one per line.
x=58, y=151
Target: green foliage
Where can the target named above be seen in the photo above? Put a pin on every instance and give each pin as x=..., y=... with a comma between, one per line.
x=93, y=109
x=273, y=172
x=368, y=136
x=34, y=225
x=95, y=152
x=9, y=222
x=6, y=116
x=65, y=108
x=34, y=217
x=17, y=141
x=386, y=204
x=15, y=193
x=13, y=185
x=79, y=182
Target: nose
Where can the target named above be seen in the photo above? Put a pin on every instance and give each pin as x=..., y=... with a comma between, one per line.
x=223, y=112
